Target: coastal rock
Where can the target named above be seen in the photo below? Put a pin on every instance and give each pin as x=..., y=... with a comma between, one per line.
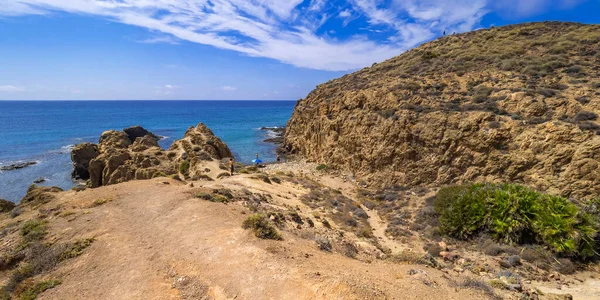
x=17, y=166
x=81, y=155
x=6, y=206
x=432, y=116
x=199, y=144
x=118, y=160
x=138, y=131
x=112, y=139
x=39, y=180
x=144, y=143
x=40, y=194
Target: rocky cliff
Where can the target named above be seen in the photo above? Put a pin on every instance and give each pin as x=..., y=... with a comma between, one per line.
x=516, y=103
x=134, y=153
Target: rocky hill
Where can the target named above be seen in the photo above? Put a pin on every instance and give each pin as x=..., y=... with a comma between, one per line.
x=516, y=103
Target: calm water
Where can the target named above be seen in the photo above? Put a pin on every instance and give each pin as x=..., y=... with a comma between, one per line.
x=45, y=131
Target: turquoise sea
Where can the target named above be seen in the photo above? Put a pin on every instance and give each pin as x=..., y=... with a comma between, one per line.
x=45, y=131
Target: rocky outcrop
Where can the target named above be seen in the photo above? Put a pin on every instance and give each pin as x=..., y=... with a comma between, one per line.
x=120, y=159
x=17, y=166
x=138, y=131
x=516, y=103
x=40, y=194
x=6, y=206
x=199, y=144
x=81, y=155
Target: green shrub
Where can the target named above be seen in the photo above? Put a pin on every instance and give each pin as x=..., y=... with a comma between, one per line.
x=184, y=167
x=262, y=227
x=516, y=214
x=32, y=292
x=76, y=248
x=322, y=167
x=33, y=230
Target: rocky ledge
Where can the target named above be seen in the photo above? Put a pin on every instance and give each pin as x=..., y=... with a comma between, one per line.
x=17, y=166
x=134, y=153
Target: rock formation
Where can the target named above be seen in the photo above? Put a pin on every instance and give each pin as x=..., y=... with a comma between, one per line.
x=118, y=157
x=516, y=103
x=199, y=144
x=81, y=155
x=40, y=194
x=17, y=166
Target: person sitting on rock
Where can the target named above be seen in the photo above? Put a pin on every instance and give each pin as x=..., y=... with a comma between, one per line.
x=278, y=157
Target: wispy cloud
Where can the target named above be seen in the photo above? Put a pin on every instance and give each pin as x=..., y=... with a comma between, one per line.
x=228, y=88
x=160, y=40
x=11, y=88
x=289, y=31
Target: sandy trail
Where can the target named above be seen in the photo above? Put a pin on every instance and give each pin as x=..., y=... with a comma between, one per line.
x=156, y=241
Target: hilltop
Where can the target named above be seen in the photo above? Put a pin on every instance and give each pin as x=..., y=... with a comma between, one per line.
x=517, y=103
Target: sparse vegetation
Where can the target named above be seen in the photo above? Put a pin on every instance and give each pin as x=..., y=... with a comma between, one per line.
x=76, y=248
x=38, y=288
x=262, y=227
x=322, y=167
x=6, y=206
x=33, y=231
x=516, y=214
x=477, y=284
x=184, y=167
x=101, y=201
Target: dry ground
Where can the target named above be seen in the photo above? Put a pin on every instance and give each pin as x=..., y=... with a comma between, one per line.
x=155, y=240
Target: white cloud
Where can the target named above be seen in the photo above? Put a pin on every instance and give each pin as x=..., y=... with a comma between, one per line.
x=160, y=40
x=11, y=88
x=287, y=31
x=228, y=88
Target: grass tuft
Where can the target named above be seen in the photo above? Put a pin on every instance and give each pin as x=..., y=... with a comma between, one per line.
x=262, y=227
x=39, y=288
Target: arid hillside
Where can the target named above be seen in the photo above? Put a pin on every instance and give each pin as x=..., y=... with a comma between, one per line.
x=517, y=103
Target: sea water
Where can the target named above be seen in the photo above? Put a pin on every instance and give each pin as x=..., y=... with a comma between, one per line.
x=46, y=131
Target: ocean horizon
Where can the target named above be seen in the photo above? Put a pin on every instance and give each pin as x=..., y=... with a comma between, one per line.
x=45, y=131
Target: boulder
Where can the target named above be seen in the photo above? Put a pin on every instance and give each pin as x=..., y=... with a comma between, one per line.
x=112, y=139
x=144, y=143
x=138, y=131
x=81, y=155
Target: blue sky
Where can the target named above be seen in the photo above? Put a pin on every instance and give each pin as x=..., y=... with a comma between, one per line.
x=227, y=49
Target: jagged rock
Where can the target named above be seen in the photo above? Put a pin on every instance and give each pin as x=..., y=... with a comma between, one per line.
x=118, y=160
x=81, y=155
x=6, y=206
x=112, y=139
x=40, y=194
x=39, y=180
x=200, y=144
x=144, y=143
x=138, y=131
x=17, y=166
x=432, y=116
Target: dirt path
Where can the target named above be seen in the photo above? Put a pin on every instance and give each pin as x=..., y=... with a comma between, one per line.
x=156, y=241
